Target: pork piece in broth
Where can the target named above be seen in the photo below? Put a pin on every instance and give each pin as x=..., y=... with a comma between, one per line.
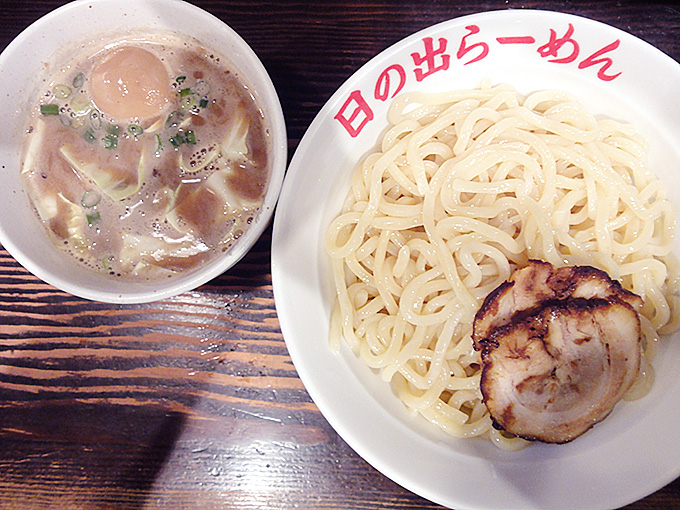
x=560, y=348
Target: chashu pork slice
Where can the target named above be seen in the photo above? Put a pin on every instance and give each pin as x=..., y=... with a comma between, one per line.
x=556, y=373
x=539, y=284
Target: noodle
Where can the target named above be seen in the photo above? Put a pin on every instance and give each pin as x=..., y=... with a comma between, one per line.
x=467, y=186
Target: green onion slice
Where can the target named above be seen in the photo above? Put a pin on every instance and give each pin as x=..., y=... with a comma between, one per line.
x=79, y=80
x=90, y=199
x=49, y=109
x=188, y=101
x=135, y=129
x=93, y=218
x=174, y=119
x=110, y=141
x=88, y=136
x=180, y=79
x=80, y=103
x=177, y=140
x=160, y=143
x=113, y=129
x=190, y=137
x=185, y=92
x=202, y=88
x=107, y=262
x=61, y=91
x=95, y=119
x=203, y=103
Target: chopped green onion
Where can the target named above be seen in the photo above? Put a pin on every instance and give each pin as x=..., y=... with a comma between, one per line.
x=190, y=137
x=177, y=140
x=95, y=120
x=80, y=103
x=113, y=129
x=203, y=103
x=61, y=91
x=88, y=136
x=79, y=80
x=107, y=262
x=135, y=129
x=110, y=141
x=185, y=92
x=202, y=88
x=173, y=119
x=77, y=122
x=188, y=101
x=160, y=143
x=90, y=199
x=180, y=79
x=49, y=109
x=93, y=218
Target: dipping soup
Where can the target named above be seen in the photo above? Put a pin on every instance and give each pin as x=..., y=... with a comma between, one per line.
x=146, y=157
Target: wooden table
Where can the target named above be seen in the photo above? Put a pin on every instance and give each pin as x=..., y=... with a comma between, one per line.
x=193, y=402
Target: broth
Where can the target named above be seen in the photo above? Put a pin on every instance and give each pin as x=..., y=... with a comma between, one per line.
x=147, y=157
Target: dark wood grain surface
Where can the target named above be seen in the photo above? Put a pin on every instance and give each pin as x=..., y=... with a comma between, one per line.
x=193, y=402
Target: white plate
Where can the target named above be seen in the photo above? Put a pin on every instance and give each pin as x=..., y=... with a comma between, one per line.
x=636, y=450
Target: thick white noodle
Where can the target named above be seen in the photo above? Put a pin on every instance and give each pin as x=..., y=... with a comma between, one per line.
x=466, y=187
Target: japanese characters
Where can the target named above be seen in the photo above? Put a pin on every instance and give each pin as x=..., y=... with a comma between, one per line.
x=446, y=54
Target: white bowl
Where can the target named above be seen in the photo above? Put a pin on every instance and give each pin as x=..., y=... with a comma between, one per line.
x=24, y=63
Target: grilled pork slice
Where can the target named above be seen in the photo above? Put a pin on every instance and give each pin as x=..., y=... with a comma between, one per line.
x=540, y=283
x=560, y=348
x=557, y=373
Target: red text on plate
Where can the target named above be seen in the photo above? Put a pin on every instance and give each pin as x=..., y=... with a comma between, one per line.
x=382, y=86
x=360, y=113
x=464, y=49
x=555, y=44
x=356, y=112
x=429, y=58
x=606, y=61
x=521, y=39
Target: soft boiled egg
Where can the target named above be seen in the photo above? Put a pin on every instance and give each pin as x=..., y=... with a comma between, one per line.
x=130, y=82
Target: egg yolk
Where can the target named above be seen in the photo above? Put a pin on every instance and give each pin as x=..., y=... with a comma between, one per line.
x=130, y=82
